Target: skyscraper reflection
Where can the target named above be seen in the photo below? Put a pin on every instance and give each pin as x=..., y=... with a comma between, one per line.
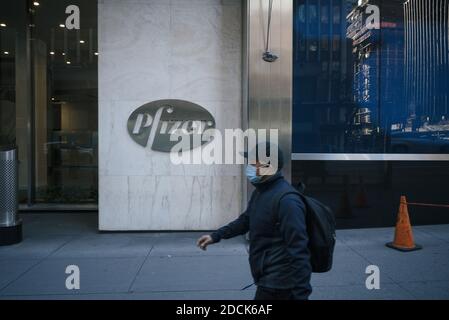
x=365, y=89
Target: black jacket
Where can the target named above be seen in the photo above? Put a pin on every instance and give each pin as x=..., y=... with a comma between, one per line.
x=279, y=256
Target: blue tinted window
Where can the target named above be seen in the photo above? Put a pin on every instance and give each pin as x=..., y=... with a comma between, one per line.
x=368, y=83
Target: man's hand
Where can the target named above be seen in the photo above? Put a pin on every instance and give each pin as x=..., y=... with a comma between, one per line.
x=204, y=241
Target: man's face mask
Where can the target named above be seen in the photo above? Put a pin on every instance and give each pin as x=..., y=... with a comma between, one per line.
x=255, y=174
x=251, y=174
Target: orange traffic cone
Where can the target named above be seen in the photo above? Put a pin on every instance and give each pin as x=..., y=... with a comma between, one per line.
x=403, y=235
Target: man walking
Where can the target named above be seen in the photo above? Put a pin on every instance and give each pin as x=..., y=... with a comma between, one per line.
x=279, y=256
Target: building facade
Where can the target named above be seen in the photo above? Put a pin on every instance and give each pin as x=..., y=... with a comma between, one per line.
x=359, y=94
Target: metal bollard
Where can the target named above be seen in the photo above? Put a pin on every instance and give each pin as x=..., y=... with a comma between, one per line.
x=10, y=225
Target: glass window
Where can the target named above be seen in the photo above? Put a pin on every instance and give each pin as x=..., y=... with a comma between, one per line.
x=324, y=14
x=336, y=14
x=383, y=88
x=14, y=87
x=8, y=34
x=49, y=96
x=377, y=90
x=66, y=102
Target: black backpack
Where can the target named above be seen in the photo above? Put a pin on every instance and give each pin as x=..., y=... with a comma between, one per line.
x=320, y=228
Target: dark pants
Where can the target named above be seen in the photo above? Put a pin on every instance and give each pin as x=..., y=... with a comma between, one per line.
x=280, y=294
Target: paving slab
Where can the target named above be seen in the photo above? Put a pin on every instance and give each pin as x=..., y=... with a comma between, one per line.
x=105, y=275
x=186, y=246
x=107, y=246
x=439, y=231
x=10, y=270
x=430, y=263
x=389, y=291
x=168, y=265
x=348, y=269
x=176, y=295
x=193, y=274
x=379, y=236
x=428, y=290
x=37, y=247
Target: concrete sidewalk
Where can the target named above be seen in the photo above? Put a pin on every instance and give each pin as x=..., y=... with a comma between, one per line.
x=169, y=266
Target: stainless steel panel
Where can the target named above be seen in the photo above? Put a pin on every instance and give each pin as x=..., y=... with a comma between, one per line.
x=245, y=85
x=270, y=84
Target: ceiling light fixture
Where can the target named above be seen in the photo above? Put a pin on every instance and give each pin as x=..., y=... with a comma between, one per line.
x=6, y=52
x=82, y=41
x=36, y=4
x=52, y=52
x=3, y=25
x=68, y=62
x=62, y=25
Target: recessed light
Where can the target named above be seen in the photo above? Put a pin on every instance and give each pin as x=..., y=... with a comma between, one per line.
x=68, y=62
x=63, y=53
x=52, y=52
x=3, y=25
x=62, y=25
x=96, y=53
x=35, y=3
x=6, y=52
x=52, y=99
x=82, y=41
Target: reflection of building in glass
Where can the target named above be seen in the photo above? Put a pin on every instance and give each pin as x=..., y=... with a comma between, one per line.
x=426, y=63
x=362, y=120
x=378, y=63
x=358, y=78
x=322, y=75
x=364, y=69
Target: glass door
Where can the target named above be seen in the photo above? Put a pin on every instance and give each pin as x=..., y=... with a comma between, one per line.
x=49, y=97
x=65, y=61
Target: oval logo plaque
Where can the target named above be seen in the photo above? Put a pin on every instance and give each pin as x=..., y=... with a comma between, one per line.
x=152, y=124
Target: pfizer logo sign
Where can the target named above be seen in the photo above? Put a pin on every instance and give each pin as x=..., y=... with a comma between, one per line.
x=161, y=124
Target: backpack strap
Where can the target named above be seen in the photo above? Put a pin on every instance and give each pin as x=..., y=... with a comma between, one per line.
x=278, y=197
